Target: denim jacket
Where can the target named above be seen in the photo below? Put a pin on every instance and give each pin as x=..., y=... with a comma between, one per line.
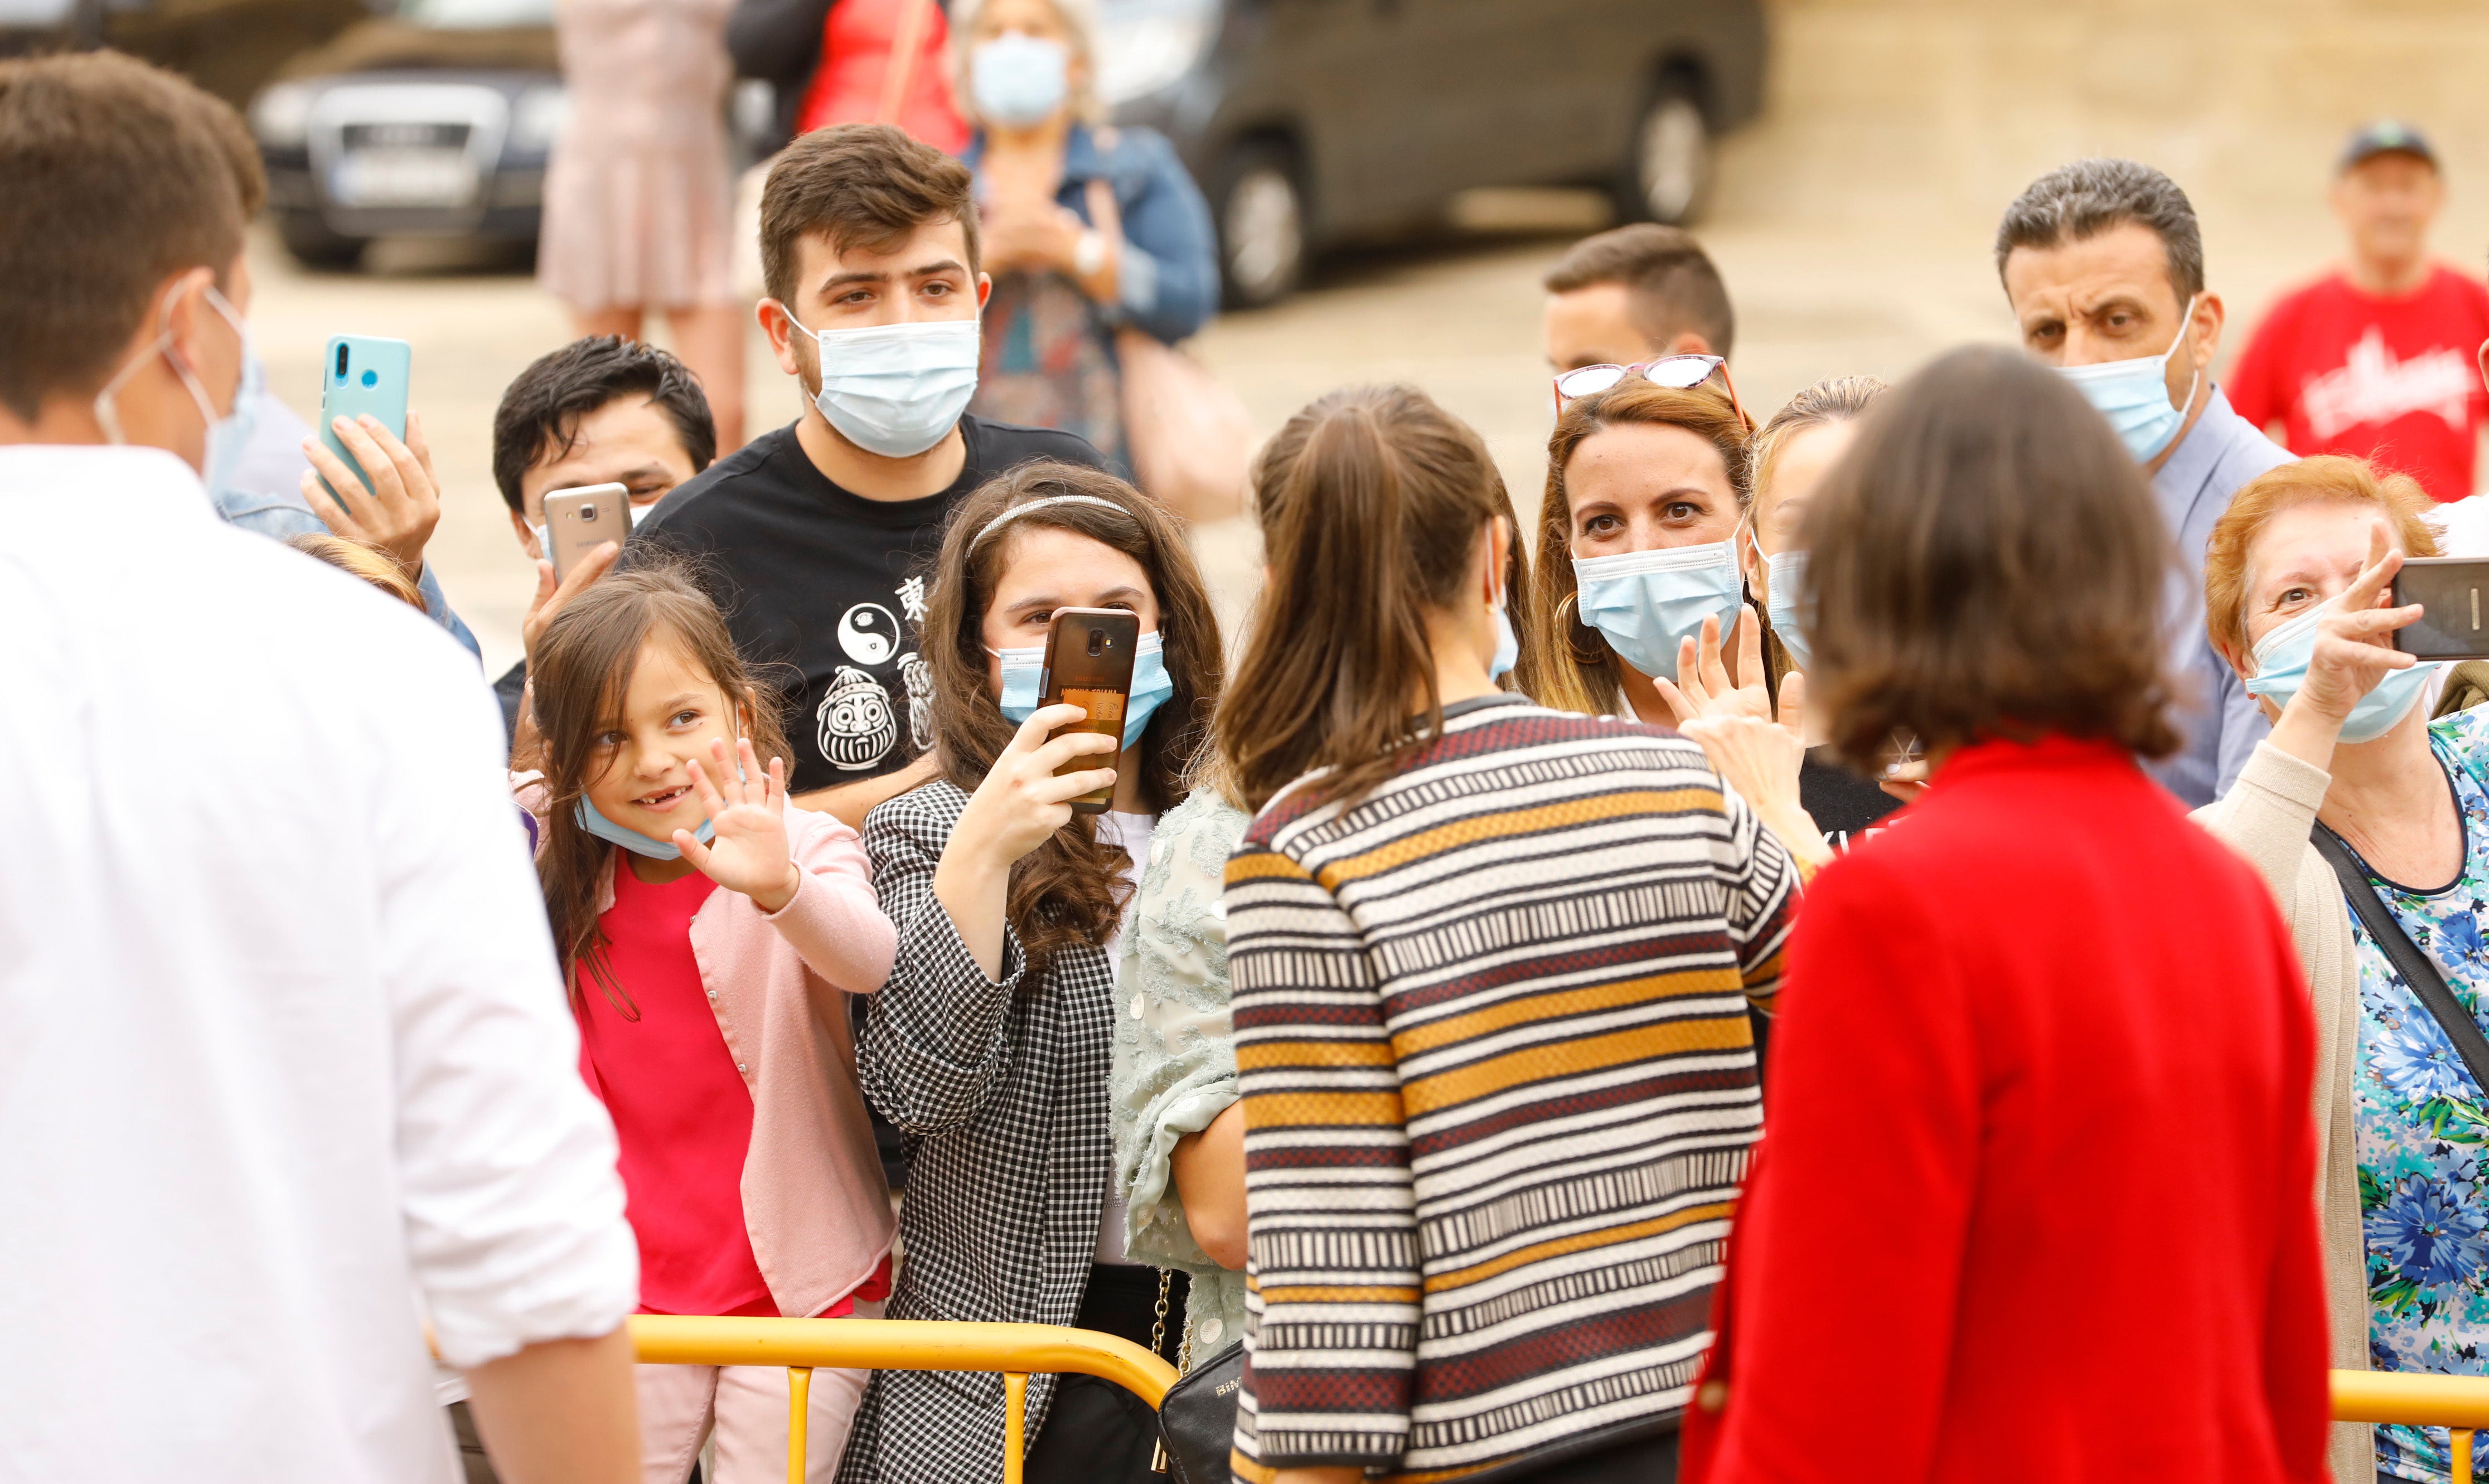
x=1169, y=275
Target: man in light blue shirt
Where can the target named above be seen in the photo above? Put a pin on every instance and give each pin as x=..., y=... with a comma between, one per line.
x=2104, y=264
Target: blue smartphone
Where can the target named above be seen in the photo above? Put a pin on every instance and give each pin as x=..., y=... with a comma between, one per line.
x=362, y=374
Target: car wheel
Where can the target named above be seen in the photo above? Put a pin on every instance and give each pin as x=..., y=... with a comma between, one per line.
x=1261, y=226
x=1668, y=176
x=314, y=245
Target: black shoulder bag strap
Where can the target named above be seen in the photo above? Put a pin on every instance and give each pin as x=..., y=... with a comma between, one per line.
x=2417, y=968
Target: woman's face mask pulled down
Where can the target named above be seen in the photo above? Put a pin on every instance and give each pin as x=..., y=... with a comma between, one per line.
x=644, y=779
x=2306, y=579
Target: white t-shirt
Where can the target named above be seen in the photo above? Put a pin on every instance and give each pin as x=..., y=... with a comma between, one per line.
x=1132, y=832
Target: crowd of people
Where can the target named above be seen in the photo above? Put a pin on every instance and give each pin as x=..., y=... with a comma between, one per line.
x=1723, y=984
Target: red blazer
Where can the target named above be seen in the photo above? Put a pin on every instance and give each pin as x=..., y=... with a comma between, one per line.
x=2034, y=1198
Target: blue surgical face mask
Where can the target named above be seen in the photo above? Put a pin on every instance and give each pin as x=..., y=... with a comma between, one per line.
x=2133, y=394
x=1024, y=683
x=1646, y=602
x=1507, y=644
x=1016, y=80
x=631, y=840
x=2281, y=659
x=227, y=435
x=896, y=389
x=1784, y=578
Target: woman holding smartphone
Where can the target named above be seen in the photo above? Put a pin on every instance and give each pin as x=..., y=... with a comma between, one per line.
x=1491, y=968
x=2298, y=580
x=991, y=1043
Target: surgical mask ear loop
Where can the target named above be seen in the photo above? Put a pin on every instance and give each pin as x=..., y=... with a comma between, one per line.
x=107, y=416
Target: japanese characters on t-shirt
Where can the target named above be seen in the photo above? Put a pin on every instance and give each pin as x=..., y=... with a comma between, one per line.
x=825, y=590
x=2395, y=381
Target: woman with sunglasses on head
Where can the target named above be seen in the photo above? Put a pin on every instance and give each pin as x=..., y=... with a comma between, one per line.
x=991, y=1042
x=1491, y=965
x=1637, y=575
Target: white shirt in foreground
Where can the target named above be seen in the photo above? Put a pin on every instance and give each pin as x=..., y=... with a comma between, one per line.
x=284, y=1061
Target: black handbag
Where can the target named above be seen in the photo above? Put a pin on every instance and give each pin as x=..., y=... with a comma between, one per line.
x=1197, y=1418
x=2417, y=968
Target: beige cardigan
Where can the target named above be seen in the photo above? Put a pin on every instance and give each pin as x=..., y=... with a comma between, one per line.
x=2266, y=817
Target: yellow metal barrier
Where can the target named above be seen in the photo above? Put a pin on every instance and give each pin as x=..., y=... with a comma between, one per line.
x=800, y=1345
x=2460, y=1403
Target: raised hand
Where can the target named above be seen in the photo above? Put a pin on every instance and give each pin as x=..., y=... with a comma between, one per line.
x=1758, y=759
x=1703, y=687
x=746, y=810
x=399, y=512
x=2353, y=649
x=1020, y=804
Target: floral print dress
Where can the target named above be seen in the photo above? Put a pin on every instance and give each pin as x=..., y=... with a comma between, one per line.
x=2423, y=1125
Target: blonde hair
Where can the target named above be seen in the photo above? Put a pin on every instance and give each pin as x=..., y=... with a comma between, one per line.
x=1080, y=19
x=1834, y=399
x=356, y=559
x=2326, y=479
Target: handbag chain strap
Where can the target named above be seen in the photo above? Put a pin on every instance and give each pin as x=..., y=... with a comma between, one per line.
x=2427, y=983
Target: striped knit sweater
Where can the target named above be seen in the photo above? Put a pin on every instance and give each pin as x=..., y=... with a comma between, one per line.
x=1499, y=1089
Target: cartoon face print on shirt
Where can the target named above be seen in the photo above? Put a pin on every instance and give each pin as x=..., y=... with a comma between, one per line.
x=856, y=725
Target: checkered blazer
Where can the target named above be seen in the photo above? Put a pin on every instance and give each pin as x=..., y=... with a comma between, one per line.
x=1001, y=1089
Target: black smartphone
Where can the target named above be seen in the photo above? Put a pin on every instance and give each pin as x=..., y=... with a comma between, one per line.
x=2451, y=625
x=1089, y=654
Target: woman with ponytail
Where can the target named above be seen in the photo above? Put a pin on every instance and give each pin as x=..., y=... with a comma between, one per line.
x=1492, y=964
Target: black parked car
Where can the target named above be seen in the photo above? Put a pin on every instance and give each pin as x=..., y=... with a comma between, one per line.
x=1310, y=122
x=435, y=122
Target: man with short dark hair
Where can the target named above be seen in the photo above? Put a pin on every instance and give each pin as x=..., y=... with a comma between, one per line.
x=2104, y=264
x=602, y=409
x=1634, y=295
x=819, y=530
x=2375, y=360
x=301, y=1073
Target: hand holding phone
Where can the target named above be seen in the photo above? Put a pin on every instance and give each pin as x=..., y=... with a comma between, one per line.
x=580, y=520
x=1089, y=656
x=362, y=375
x=2453, y=624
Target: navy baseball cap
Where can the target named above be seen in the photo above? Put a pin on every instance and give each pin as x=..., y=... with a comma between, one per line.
x=2385, y=136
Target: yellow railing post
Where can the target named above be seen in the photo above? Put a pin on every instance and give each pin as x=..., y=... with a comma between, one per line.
x=799, y=1421
x=2459, y=1404
x=803, y=1345
x=1014, y=1421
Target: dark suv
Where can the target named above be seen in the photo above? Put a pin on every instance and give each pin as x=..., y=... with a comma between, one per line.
x=1310, y=122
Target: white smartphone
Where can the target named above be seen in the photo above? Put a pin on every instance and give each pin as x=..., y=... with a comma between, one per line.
x=578, y=520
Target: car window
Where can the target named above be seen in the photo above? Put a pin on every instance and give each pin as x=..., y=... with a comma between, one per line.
x=475, y=15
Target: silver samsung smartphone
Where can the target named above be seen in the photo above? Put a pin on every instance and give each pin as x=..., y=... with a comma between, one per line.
x=578, y=520
x=2451, y=625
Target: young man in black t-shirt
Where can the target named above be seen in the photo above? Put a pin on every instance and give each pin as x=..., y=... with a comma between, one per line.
x=813, y=535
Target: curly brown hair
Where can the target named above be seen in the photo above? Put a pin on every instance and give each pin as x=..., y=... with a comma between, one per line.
x=1068, y=890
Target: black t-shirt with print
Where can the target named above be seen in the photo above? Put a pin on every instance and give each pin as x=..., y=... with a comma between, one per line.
x=823, y=589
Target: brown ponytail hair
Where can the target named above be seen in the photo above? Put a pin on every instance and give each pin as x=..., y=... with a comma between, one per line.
x=1372, y=502
x=580, y=672
x=1068, y=890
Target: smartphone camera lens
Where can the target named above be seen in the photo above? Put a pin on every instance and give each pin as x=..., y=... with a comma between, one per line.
x=587, y=513
x=1097, y=641
x=341, y=362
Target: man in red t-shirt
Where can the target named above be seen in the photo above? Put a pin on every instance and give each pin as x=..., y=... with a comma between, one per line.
x=2377, y=359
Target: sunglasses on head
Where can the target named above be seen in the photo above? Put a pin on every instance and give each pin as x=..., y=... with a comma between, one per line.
x=1679, y=372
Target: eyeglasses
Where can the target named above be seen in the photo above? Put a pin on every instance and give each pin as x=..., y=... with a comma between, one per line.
x=1679, y=372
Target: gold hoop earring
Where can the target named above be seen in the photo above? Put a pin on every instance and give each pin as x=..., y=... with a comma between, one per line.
x=1570, y=614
